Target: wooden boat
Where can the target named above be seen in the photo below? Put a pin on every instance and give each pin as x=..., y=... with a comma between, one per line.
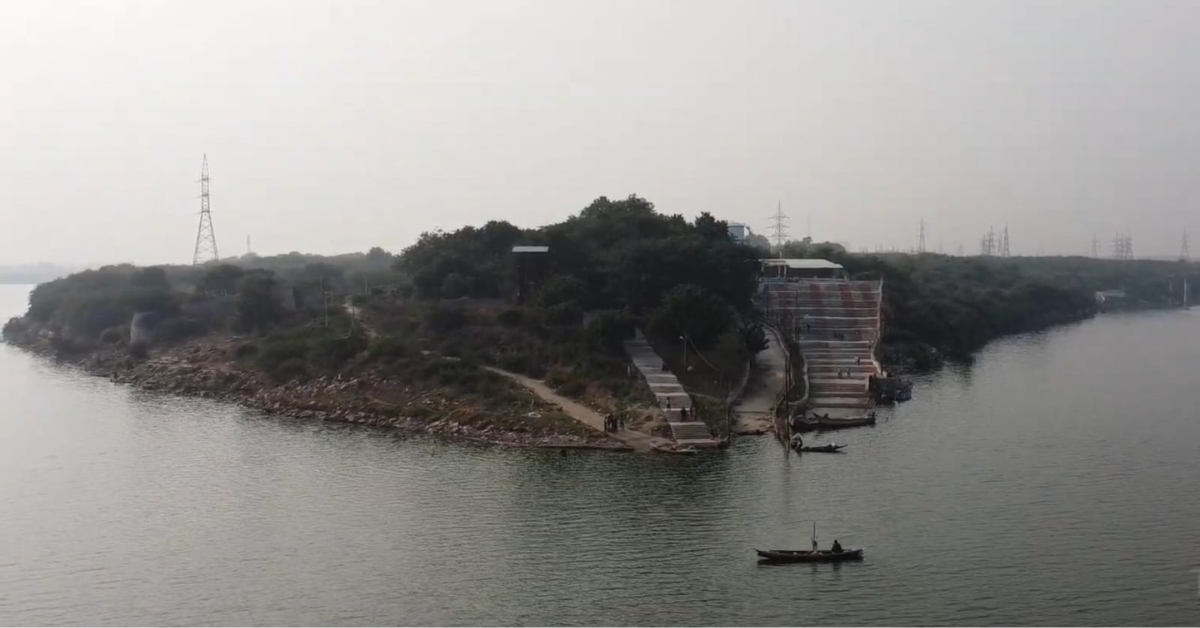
x=673, y=449
x=827, y=423
x=808, y=556
x=804, y=425
x=829, y=449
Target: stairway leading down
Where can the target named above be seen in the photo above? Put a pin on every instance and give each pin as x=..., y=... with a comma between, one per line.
x=669, y=393
x=836, y=325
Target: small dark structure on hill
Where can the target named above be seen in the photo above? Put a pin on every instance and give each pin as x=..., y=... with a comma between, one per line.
x=532, y=264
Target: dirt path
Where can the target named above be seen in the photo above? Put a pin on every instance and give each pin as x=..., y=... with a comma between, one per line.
x=753, y=411
x=356, y=315
x=639, y=441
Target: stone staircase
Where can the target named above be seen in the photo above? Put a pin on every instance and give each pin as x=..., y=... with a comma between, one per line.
x=836, y=325
x=670, y=396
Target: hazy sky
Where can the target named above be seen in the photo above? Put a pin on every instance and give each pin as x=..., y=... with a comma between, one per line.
x=335, y=126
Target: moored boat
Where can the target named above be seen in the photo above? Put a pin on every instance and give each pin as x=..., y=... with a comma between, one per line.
x=674, y=449
x=827, y=423
x=808, y=556
x=829, y=449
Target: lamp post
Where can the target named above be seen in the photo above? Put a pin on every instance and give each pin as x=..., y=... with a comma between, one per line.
x=685, y=344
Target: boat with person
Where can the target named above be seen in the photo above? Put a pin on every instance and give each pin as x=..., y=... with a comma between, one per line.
x=835, y=554
x=808, y=556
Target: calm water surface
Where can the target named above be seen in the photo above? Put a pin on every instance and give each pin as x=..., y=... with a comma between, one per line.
x=1053, y=482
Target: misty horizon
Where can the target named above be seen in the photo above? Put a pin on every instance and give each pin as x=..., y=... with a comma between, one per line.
x=332, y=128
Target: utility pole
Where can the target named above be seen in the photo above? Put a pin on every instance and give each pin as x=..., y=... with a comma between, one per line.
x=324, y=301
x=206, y=239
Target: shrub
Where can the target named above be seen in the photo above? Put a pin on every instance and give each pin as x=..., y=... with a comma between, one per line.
x=563, y=314
x=112, y=335
x=245, y=351
x=293, y=368
x=330, y=352
x=14, y=328
x=455, y=285
x=386, y=348
x=138, y=350
x=511, y=317
x=610, y=328
x=179, y=329
x=445, y=317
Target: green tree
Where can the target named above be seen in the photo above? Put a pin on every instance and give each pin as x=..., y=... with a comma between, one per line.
x=753, y=338
x=221, y=279
x=692, y=311
x=258, y=302
x=153, y=277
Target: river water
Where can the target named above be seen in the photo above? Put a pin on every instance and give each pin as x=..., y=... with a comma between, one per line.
x=1052, y=482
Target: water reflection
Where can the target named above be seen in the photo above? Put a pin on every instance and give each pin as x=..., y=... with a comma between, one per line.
x=1019, y=490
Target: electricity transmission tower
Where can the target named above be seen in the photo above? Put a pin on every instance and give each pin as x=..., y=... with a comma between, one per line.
x=1095, y=246
x=1003, y=252
x=779, y=228
x=921, y=238
x=206, y=239
x=1185, y=253
x=987, y=244
x=1123, y=246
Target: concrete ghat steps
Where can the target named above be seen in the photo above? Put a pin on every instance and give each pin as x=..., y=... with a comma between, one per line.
x=836, y=323
x=670, y=395
x=690, y=431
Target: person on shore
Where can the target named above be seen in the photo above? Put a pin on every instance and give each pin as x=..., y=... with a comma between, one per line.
x=837, y=547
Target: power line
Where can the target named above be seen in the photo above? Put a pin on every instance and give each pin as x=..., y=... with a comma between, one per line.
x=206, y=238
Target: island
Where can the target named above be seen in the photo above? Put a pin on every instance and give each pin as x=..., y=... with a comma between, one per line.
x=618, y=328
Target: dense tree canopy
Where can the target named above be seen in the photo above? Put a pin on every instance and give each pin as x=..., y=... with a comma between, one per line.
x=619, y=255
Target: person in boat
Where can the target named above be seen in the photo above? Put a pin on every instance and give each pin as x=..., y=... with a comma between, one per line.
x=837, y=547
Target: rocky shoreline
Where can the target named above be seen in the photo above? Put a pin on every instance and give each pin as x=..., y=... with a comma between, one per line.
x=205, y=369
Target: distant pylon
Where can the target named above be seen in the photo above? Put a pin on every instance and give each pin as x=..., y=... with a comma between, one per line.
x=921, y=238
x=206, y=239
x=248, y=249
x=987, y=244
x=1095, y=246
x=1185, y=253
x=778, y=228
x=1123, y=246
x=1004, y=242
